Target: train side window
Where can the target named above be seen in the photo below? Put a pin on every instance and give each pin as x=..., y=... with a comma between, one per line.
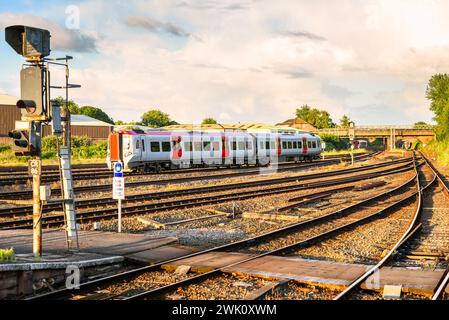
x=166, y=146
x=289, y=145
x=188, y=146
x=273, y=145
x=241, y=145
x=138, y=144
x=267, y=145
x=295, y=145
x=234, y=145
x=197, y=146
x=215, y=146
x=314, y=144
x=143, y=145
x=206, y=146
x=309, y=144
x=249, y=145
x=261, y=145
x=299, y=145
x=155, y=146
x=284, y=144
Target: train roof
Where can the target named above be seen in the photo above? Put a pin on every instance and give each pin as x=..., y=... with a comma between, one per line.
x=213, y=134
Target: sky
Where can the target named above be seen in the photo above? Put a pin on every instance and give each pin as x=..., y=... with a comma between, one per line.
x=241, y=60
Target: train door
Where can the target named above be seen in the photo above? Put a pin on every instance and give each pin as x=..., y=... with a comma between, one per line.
x=176, y=150
x=137, y=148
x=196, y=149
x=206, y=153
x=240, y=150
x=305, y=148
x=216, y=146
x=225, y=152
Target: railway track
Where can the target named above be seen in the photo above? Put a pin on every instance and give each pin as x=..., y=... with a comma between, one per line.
x=92, y=288
x=145, y=208
x=49, y=176
x=14, y=195
x=417, y=236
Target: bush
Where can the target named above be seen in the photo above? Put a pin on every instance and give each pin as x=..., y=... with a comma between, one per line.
x=82, y=148
x=334, y=142
x=438, y=150
x=4, y=148
x=7, y=255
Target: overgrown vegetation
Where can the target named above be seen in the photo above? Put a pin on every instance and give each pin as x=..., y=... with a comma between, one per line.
x=438, y=95
x=334, y=143
x=438, y=149
x=82, y=149
x=7, y=255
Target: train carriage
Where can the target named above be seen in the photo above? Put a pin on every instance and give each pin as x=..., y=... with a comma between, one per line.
x=156, y=150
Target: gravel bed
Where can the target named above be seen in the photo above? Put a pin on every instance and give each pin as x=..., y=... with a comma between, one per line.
x=298, y=291
x=144, y=282
x=223, y=287
x=322, y=227
x=217, y=231
x=364, y=244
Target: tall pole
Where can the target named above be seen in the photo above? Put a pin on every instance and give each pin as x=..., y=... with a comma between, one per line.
x=37, y=210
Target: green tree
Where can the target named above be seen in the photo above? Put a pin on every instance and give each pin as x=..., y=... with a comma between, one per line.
x=344, y=121
x=319, y=118
x=119, y=123
x=209, y=121
x=73, y=107
x=156, y=119
x=438, y=94
x=420, y=124
x=95, y=113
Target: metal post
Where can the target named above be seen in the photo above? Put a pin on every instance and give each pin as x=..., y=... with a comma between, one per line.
x=35, y=171
x=119, y=215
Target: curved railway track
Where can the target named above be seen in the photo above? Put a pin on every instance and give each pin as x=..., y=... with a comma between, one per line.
x=12, y=178
x=88, y=287
x=128, y=210
x=413, y=232
x=14, y=195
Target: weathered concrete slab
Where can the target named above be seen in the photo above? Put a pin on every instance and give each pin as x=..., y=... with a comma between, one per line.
x=314, y=272
x=105, y=243
x=160, y=254
x=208, y=261
x=413, y=280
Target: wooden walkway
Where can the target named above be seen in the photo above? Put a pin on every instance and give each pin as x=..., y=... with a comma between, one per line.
x=328, y=274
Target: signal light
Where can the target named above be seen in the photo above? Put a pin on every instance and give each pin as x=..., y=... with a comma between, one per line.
x=21, y=144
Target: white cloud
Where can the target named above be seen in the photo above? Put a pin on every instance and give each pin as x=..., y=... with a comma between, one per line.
x=258, y=61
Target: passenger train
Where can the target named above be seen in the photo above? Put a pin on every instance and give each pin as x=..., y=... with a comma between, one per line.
x=156, y=150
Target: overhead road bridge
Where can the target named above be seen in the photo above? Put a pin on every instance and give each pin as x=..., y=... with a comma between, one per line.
x=391, y=135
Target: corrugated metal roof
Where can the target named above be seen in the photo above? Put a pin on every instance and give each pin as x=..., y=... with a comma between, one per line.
x=82, y=120
x=7, y=100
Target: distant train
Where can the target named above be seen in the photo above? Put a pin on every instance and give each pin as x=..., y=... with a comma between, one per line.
x=156, y=150
x=360, y=144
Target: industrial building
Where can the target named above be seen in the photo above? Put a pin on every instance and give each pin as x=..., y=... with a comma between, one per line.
x=81, y=125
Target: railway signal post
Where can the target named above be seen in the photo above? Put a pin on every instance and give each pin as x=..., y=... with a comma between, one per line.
x=36, y=108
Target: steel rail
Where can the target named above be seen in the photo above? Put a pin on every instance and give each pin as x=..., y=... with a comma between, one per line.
x=289, y=228
x=445, y=278
x=355, y=284
x=110, y=213
x=26, y=210
x=302, y=243
x=106, y=173
x=102, y=187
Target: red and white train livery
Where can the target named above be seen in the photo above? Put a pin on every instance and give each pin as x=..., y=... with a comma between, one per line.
x=156, y=150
